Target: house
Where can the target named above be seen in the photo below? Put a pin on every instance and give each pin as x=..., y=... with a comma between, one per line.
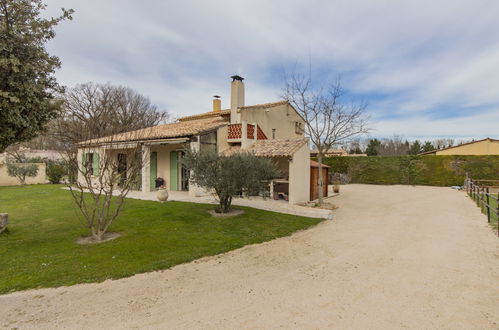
x=486, y=146
x=272, y=130
x=329, y=153
x=335, y=153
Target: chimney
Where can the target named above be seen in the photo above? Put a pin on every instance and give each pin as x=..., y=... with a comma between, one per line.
x=217, y=103
x=236, y=98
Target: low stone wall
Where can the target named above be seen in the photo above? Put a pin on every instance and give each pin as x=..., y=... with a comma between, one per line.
x=6, y=180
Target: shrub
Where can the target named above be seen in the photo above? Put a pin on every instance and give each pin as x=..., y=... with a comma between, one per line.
x=417, y=170
x=229, y=176
x=21, y=171
x=56, y=170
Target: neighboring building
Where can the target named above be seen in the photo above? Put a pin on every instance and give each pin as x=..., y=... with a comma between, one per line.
x=269, y=130
x=329, y=153
x=486, y=146
x=42, y=155
x=335, y=153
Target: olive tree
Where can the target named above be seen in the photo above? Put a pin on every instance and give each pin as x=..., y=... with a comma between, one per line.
x=230, y=175
x=20, y=166
x=22, y=170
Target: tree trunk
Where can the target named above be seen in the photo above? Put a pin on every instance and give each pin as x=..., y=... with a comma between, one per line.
x=4, y=220
x=321, y=180
x=225, y=202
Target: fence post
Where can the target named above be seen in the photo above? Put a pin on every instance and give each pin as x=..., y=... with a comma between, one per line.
x=488, y=203
x=477, y=196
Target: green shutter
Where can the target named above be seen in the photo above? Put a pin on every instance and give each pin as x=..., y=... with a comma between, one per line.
x=174, y=170
x=153, y=169
x=83, y=162
x=96, y=165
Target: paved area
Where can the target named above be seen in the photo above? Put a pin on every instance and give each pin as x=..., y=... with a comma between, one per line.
x=394, y=257
x=255, y=202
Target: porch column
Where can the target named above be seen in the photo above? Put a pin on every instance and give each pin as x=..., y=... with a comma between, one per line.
x=194, y=190
x=146, y=168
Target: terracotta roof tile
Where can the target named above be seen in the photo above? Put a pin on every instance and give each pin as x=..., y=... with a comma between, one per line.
x=210, y=114
x=265, y=105
x=226, y=112
x=174, y=130
x=272, y=148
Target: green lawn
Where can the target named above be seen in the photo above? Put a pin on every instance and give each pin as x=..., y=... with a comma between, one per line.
x=39, y=250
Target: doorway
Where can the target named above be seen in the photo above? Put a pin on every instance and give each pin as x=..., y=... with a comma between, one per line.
x=122, y=168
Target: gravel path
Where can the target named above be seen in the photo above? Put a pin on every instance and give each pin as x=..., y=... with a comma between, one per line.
x=394, y=257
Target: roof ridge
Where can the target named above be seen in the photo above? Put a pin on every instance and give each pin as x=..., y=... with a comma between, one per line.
x=459, y=145
x=227, y=111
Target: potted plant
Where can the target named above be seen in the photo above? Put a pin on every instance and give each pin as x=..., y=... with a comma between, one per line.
x=162, y=193
x=336, y=184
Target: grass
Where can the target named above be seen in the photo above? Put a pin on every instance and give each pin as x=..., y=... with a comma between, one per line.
x=493, y=212
x=39, y=248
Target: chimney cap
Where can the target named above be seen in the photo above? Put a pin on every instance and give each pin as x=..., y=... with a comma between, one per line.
x=217, y=96
x=236, y=77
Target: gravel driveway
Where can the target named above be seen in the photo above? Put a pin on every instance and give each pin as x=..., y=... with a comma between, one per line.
x=394, y=257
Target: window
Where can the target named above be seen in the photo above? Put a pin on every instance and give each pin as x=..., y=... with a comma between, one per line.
x=88, y=161
x=273, y=133
x=91, y=163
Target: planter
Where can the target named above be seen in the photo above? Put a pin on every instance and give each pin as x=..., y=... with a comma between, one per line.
x=162, y=194
x=336, y=188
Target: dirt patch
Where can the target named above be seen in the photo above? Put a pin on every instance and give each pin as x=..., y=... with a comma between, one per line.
x=231, y=213
x=395, y=257
x=325, y=205
x=90, y=240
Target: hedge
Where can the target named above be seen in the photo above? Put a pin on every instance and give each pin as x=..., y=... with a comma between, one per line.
x=428, y=170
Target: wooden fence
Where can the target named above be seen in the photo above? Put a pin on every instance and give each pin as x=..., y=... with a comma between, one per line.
x=485, y=193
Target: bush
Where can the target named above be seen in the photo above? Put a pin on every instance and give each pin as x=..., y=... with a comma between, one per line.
x=416, y=170
x=230, y=175
x=22, y=170
x=56, y=170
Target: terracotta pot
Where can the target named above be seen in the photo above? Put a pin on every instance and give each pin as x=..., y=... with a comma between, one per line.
x=162, y=195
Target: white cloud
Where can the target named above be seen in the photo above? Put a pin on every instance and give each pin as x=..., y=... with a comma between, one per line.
x=425, y=57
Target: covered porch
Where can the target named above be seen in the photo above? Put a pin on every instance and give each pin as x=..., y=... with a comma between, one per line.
x=163, y=166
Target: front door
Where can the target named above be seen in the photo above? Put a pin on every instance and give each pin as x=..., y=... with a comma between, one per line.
x=184, y=172
x=153, y=170
x=174, y=170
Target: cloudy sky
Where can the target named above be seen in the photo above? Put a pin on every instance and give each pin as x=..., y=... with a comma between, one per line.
x=426, y=68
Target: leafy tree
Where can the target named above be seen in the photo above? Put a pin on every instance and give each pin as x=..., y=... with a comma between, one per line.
x=427, y=146
x=415, y=148
x=356, y=151
x=230, y=175
x=372, y=147
x=27, y=81
x=22, y=170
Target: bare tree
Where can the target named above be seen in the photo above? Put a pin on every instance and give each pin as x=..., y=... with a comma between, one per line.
x=328, y=119
x=97, y=120
x=106, y=172
x=395, y=146
x=99, y=110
